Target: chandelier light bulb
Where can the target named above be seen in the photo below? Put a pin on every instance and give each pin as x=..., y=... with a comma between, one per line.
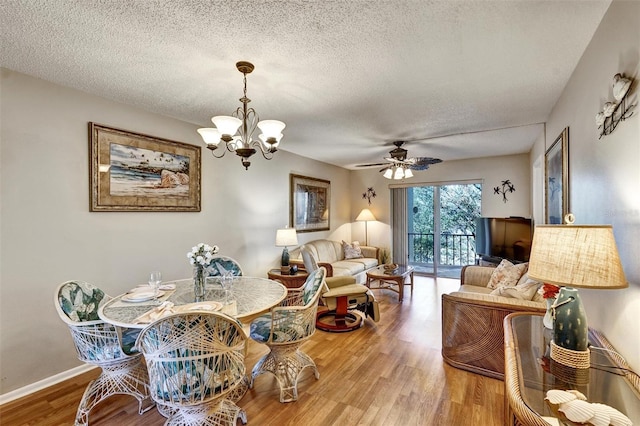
x=226, y=125
x=408, y=174
x=388, y=173
x=210, y=135
x=271, y=128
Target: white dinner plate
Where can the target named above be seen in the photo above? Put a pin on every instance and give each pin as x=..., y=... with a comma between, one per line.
x=141, y=296
x=202, y=306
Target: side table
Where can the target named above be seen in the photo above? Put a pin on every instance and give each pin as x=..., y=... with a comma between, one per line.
x=530, y=373
x=389, y=280
x=289, y=281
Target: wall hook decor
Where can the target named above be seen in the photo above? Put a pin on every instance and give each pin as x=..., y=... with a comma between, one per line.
x=614, y=112
x=369, y=195
x=507, y=186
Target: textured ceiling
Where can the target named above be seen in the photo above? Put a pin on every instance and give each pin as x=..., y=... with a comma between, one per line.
x=459, y=79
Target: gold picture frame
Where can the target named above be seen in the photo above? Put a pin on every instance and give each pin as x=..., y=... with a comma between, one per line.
x=556, y=179
x=309, y=203
x=133, y=172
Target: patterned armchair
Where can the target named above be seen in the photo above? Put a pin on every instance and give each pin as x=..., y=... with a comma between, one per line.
x=104, y=345
x=283, y=330
x=196, y=365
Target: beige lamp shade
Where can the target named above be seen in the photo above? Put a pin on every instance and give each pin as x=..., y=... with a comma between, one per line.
x=286, y=237
x=576, y=256
x=365, y=215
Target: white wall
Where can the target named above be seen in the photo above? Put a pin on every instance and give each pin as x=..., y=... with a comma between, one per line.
x=49, y=236
x=604, y=178
x=491, y=171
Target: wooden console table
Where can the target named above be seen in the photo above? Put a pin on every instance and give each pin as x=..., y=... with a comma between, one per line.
x=530, y=373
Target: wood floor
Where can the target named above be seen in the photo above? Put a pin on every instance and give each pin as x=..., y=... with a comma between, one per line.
x=387, y=373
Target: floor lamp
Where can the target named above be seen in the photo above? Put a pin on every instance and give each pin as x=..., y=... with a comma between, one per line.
x=366, y=216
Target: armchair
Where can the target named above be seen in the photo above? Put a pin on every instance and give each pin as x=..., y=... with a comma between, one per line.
x=283, y=330
x=196, y=364
x=101, y=344
x=342, y=298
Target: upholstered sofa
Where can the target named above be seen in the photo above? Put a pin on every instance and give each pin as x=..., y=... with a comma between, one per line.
x=331, y=255
x=472, y=330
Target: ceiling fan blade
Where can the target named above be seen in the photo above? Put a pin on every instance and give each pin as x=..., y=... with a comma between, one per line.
x=423, y=163
x=394, y=160
x=371, y=165
x=426, y=160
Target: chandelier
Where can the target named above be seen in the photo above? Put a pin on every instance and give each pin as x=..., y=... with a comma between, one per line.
x=397, y=172
x=244, y=122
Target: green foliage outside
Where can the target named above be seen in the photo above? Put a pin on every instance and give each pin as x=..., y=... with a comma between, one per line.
x=459, y=207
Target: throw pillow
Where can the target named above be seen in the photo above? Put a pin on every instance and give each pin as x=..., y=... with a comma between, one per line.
x=352, y=251
x=507, y=274
x=526, y=289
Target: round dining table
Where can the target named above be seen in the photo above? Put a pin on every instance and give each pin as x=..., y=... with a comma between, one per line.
x=248, y=298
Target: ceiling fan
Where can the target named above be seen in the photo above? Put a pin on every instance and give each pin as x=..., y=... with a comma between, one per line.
x=399, y=166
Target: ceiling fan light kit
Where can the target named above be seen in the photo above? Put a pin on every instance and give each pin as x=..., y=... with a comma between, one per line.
x=399, y=166
x=244, y=120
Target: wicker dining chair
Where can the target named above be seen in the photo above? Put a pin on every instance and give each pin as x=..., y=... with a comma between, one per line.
x=196, y=363
x=104, y=345
x=283, y=330
x=221, y=265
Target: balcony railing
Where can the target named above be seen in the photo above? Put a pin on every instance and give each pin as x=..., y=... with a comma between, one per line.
x=455, y=249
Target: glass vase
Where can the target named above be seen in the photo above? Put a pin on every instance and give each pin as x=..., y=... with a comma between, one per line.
x=198, y=283
x=547, y=321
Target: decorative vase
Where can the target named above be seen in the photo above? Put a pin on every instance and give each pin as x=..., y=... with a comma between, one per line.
x=547, y=321
x=570, y=329
x=198, y=283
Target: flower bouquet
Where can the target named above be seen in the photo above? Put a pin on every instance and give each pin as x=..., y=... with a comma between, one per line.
x=549, y=293
x=200, y=257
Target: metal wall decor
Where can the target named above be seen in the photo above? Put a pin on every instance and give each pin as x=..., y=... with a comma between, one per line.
x=371, y=193
x=507, y=186
x=614, y=112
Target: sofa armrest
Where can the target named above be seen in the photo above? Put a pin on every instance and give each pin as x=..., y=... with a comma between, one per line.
x=370, y=251
x=301, y=267
x=476, y=275
x=472, y=330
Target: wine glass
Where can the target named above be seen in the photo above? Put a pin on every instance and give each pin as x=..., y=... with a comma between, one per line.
x=227, y=282
x=155, y=279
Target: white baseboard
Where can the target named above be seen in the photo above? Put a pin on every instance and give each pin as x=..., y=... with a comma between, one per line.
x=44, y=383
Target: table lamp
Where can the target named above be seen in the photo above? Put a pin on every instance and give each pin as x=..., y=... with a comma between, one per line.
x=366, y=216
x=580, y=256
x=286, y=237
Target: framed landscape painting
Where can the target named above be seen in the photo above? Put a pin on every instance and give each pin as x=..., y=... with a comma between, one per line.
x=557, y=179
x=135, y=172
x=309, y=203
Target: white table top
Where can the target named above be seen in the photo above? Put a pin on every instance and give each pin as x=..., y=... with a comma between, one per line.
x=251, y=297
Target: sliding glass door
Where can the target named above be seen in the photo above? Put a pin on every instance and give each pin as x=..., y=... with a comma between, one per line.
x=441, y=227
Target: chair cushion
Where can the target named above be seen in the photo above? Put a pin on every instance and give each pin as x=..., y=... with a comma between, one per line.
x=311, y=285
x=129, y=336
x=260, y=330
x=80, y=301
x=346, y=290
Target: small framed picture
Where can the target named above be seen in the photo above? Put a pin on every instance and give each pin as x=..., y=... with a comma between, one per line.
x=557, y=179
x=309, y=203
